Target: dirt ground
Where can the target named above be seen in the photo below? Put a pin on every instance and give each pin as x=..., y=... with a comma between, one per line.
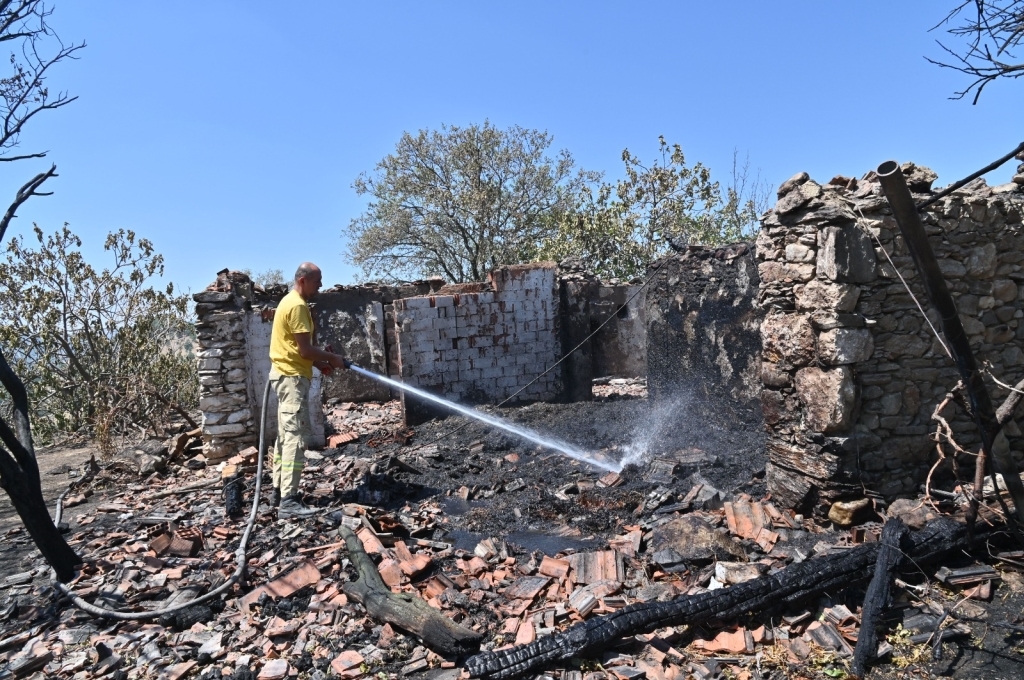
x=58, y=466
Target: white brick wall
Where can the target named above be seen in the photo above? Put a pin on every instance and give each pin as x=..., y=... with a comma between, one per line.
x=488, y=344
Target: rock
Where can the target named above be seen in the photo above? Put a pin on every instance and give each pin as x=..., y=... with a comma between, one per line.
x=689, y=539
x=845, y=346
x=1004, y=290
x=951, y=269
x=797, y=252
x=738, y=572
x=839, y=297
x=846, y=513
x=274, y=669
x=828, y=397
x=213, y=296
x=225, y=430
x=1018, y=179
x=787, y=338
x=773, y=376
x=981, y=263
x=847, y=255
x=773, y=271
x=914, y=513
x=146, y=457
x=792, y=183
x=919, y=178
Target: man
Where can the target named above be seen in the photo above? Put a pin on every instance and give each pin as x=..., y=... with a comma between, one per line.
x=292, y=357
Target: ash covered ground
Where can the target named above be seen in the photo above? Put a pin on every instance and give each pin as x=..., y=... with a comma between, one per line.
x=495, y=483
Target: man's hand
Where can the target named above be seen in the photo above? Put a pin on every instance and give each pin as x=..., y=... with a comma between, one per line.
x=324, y=367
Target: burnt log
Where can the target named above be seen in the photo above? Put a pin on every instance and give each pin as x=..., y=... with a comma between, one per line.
x=890, y=556
x=407, y=611
x=798, y=582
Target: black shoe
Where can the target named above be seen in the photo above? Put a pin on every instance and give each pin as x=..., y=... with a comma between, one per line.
x=292, y=508
x=275, y=498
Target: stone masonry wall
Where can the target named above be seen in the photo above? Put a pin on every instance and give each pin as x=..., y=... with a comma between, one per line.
x=233, y=344
x=482, y=347
x=703, y=338
x=228, y=419
x=851, y=371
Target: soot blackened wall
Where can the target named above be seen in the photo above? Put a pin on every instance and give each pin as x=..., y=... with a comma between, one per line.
x=703, y=336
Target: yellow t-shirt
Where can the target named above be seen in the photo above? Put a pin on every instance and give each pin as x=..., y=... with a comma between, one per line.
x=292, y=316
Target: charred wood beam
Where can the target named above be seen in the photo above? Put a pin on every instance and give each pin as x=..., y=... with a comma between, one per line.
x=894, y=185
x=973, y=176
x=830, y=573
x=407, y=611
x=876, y=599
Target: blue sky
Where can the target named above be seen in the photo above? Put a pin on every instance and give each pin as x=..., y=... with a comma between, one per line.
x=229, y=132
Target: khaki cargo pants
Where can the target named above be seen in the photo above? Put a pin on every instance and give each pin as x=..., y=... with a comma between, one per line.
x=293, y=430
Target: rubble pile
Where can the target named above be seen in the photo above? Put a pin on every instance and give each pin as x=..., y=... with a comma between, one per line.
x=667, y=532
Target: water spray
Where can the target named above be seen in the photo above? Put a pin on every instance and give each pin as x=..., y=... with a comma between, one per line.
x=518, y=430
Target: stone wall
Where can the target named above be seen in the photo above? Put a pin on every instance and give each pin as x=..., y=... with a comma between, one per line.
x=703, y=336
x=482, y=347
x=228, y=419
x=851, y=371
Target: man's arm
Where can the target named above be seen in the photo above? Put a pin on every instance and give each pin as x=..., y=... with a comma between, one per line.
x=310, y=353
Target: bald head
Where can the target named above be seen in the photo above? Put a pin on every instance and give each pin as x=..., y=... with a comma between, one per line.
x=307, y=280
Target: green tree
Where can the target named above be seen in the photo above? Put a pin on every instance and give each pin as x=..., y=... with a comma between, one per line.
x=103, y=352
x=985, y=33
x=270, y=277
x=461, y=200
x=617, y=230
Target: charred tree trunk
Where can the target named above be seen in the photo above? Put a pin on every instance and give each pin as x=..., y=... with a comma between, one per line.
x=19, y=477
x=797, y=582
x=877, y=596
x=406, y=611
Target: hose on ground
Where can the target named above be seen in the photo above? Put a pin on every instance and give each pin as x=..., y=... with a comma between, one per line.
x=240, y=557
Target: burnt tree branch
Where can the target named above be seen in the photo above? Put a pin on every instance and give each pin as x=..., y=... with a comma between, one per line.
x=796, y=583
x=407, y=611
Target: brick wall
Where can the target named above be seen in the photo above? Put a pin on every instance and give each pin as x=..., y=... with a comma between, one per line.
x=482, y=347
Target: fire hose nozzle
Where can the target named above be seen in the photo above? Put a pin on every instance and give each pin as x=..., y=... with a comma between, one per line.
x=348, y=363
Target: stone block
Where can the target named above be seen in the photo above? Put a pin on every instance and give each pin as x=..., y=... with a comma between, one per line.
x=224, y=430
x=788, y=338
x=981, y=262
x=772, y=272
x=209, y=364
x=847, y=255
x=828, y=396
x=840, y=297
x=845, y=346
x=222, y=402
x=239, y=416
x=1004, y=290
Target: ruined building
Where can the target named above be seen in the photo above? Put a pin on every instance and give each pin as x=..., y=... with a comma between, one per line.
x=808, y=334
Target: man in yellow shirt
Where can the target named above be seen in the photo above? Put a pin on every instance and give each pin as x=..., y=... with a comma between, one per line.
x=292, y=357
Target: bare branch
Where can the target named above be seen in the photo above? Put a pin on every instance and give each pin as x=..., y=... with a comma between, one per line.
x=27, y=191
